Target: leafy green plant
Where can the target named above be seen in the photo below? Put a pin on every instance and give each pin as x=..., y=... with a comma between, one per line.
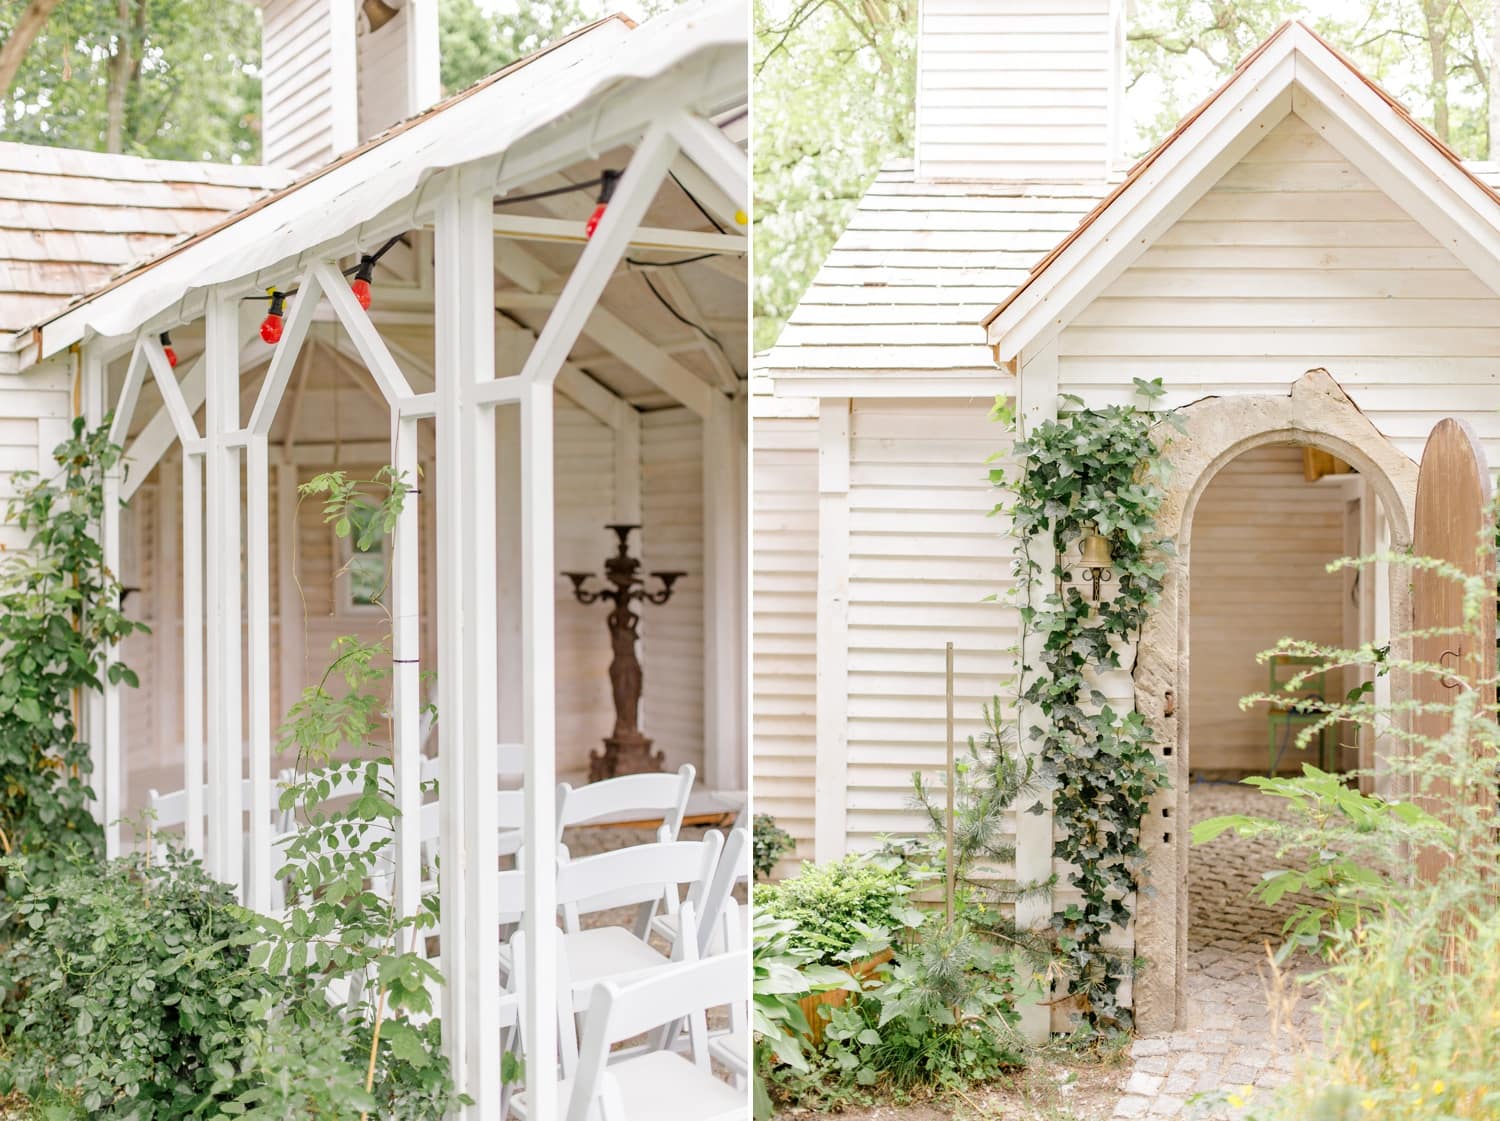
x=1412, y=938
x=990, y=777
x=1095, y=470
x=60, y=622
x=771, y=843
x=782, y=973
x=834, y=906
x=1346, y=879
x=128, y=989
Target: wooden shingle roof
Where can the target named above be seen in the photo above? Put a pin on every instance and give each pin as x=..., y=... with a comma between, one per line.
x=71, y=220
x=905, y=286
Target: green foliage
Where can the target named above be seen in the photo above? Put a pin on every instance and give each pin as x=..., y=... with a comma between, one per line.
x=940, y=1017
x=782, y=972
x=1408, y=920
x=126, y=988
x=833, y=102
x=990, y=777
x=1351, y=845
x=771, y=844
x=1433, y=55
x=189, y=74
x=1096, y=469
x=59, y=621
x=834, y=906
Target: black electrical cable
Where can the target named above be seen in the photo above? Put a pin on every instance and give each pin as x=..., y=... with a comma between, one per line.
x=374, y=258
x=552, y=192
x=640, y=264
x=692, y=198
x=677, y=315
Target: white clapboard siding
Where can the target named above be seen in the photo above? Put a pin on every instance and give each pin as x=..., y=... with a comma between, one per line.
x=672, y=538
x=583, y=468
x=924, y=553
x=784, y=583
x=297, y=113
x=35, y=411
x=383, y=98
x=1013, y=90
x=1262, y=537
x=1296, y=260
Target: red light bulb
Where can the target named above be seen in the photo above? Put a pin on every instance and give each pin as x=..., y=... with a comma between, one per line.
x=270, y=326
x=593, y=223
x=166, y=347
x=361, y=285
x=607, y=181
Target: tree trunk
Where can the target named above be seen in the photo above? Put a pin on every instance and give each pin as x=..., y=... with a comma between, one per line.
x=119, y=82
x=1436, y=14
x=28, y=27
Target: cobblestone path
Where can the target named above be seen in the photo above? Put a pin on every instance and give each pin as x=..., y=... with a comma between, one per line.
x=1230, y=1042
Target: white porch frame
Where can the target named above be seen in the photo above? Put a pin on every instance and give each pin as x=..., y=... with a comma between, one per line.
x=458, y=202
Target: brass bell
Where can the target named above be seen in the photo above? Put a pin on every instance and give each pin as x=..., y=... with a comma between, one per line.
x=1093, y=550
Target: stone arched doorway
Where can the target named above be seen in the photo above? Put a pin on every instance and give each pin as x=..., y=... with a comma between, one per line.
x=1213, y=432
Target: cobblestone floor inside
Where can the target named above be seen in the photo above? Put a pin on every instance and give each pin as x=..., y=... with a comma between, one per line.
x=1232, y=1039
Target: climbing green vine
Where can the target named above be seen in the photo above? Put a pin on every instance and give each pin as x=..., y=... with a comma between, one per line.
x=1089, y=469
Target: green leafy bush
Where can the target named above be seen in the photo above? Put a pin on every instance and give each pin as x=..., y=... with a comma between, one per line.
x=771, y=844
x=127, y=989
x=834, y=906
x=59, y=622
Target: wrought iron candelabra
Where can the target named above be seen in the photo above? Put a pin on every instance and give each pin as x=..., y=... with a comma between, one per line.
x=628, y=750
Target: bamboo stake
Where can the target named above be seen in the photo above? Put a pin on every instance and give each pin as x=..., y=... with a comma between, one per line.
x=948, y=848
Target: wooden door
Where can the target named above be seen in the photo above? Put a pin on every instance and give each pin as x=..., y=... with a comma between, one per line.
x=1453, y=495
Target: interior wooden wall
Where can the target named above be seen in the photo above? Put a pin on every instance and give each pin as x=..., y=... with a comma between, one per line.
x=1261, y=539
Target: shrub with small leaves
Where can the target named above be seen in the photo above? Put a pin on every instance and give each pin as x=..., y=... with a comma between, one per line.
x=60, y=622
x=129, y=991
x=834, y=906
x=771, y=844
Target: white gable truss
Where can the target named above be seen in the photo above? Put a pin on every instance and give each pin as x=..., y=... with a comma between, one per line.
x=1293, y=72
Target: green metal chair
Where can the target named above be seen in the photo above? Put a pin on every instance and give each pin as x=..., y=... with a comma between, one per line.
x=1285, y=717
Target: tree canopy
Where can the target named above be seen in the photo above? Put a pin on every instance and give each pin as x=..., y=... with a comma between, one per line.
x=834, y=83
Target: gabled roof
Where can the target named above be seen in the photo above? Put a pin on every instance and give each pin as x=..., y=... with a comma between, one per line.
x=1294, y=71
x=481, y=122
x=70, y=220
x=918, y=263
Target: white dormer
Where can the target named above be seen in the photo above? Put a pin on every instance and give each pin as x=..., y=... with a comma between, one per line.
x=1019, y=90
x=337, y=72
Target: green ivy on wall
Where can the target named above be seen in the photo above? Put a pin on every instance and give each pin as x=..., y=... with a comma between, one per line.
x=1090, y=469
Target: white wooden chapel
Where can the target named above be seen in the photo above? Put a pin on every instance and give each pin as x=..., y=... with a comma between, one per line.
x=544, y=382
x=1299, y=220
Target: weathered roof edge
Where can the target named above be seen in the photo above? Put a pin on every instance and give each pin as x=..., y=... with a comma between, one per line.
x=999, y=337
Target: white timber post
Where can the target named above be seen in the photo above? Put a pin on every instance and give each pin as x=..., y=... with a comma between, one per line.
x=831, y=766
x=449, y=234
x=109, y=533
x=289, y=602
x=258, y=586
x=539, y=708
x=180, y=419
x=192, y=648
x=92, y=392
x=1036, y=405
x=406, y=609
x=723, y=668
x=167, y=580
x=222, y=568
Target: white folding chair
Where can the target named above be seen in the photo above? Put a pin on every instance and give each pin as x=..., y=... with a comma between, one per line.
x=628, y=876
x=170, y=810
x=732, y=1047
x=657, y=1085
x=711, y=898
x=629, y=798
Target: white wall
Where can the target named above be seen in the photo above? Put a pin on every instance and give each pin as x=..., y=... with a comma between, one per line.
x=1019, y=89
x=307, y=97
x=1294, y=260
x=36, y=409
x=1261, y=539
